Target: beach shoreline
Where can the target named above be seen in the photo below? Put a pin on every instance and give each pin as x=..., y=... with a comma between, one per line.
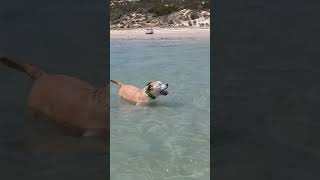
x=161, y=33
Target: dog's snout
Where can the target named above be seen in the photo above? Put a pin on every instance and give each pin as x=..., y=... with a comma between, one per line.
x=167, y=84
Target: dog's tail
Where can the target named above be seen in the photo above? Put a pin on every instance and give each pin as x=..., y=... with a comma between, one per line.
x=116, y=82
x=29, y=69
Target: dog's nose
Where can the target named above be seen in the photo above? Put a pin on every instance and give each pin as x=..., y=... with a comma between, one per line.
x=167, y=84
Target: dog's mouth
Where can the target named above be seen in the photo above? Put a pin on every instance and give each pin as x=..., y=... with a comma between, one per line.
x=164, y=91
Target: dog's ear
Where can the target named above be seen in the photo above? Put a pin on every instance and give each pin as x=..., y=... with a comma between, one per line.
x=149, y=86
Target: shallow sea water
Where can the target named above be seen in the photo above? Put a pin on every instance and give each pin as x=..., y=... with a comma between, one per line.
x=170, y=138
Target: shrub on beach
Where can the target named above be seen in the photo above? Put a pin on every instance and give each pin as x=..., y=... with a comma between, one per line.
x=116, y=13
x=162, y=10
x=194, y=15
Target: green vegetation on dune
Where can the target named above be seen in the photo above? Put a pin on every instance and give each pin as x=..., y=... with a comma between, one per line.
x=157, y=7
x=159, y=13
x=162, y=10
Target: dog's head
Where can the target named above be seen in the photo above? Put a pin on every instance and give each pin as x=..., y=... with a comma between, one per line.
x=157, y=88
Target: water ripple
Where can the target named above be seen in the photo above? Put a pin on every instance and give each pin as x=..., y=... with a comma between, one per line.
x=169, y=139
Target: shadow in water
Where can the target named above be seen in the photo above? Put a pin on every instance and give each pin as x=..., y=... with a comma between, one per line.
x=154, y=103
x=166, y=104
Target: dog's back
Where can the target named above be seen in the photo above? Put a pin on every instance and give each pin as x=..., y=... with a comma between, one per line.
x=130, y=93
x=68, y=101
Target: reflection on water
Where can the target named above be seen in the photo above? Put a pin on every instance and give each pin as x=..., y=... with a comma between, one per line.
x=168, y=139
x=37, y=148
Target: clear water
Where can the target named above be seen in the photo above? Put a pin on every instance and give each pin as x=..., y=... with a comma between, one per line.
x=170, y=138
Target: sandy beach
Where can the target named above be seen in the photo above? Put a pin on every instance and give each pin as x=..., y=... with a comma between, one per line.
x=161, y=33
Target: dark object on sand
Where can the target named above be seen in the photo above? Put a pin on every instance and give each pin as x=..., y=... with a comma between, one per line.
x=149, y=31
x=75, y=105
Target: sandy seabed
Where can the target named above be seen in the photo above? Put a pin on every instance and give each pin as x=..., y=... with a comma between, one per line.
x=161, y=33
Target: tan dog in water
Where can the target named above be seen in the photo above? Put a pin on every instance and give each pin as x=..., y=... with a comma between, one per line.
x=76, y=105
x=142, y=96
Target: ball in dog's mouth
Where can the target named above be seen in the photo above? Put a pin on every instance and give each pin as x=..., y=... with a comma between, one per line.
x=164, y=92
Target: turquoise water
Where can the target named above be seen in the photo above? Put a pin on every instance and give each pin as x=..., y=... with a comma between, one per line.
x=170, y=138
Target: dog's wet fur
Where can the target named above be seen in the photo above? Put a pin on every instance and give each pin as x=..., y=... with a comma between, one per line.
x=140, y=96
x=75, y=105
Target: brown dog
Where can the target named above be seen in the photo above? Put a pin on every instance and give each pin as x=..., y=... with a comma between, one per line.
x=70, y=102
x=142, y=96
